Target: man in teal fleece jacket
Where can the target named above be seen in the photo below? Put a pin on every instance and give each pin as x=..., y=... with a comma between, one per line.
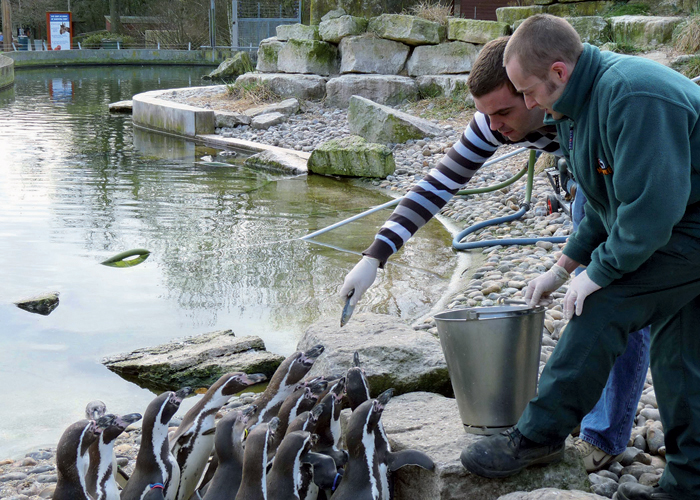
x=634, y=147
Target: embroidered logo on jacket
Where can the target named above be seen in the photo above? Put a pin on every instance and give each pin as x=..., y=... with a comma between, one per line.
x=602, y=169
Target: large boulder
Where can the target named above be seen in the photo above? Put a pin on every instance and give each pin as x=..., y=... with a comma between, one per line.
x=378, y=123
x=450, y=57
x=592, y=29
x=410, y=30
x=194, y=361
x=267, y=120
x=392, y=354
x=276, y=161
x=335, y=29
x=232, y=67
x=445, y=86
x=297, y=32
x=353, y=157
x=431, y=423
x=231, y=119
x=475, y=30
x=369, y=54
x=308, y=56
x=384, y=89
x=510, y=15
x=643, y=30
x=577, y=9
x=551, y=494
x=309, y=87
x=268, y=53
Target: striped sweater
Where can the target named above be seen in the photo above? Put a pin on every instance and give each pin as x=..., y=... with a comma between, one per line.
x=476, y=145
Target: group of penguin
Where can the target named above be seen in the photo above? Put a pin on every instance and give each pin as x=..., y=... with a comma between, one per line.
x=286, y=445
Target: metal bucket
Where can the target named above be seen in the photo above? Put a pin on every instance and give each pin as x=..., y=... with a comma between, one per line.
x=493, y=357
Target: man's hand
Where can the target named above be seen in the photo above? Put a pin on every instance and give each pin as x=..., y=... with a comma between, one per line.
x=580, y=288
x=360, y=278
x=545, y=284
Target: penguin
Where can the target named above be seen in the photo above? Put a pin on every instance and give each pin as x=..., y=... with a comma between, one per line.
x=95, y=409
x=366, y=473
x=328, y=425
x=307, y=420
x=283, y=383
x=154, y=462
x=155, y=492
x=100, y=481
x=290, y=477
x=254, y=478
x=72, y=460
x=193, y=441
x=229, y=452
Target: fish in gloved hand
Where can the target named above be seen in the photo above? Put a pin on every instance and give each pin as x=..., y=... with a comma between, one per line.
x=347, y=310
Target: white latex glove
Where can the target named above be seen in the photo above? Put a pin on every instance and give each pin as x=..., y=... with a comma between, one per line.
x=360, y=278
x=545, y=284
x=580, y=288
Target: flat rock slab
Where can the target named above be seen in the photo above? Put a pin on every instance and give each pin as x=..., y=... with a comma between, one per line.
x=121, y=106
x=309, y=87
x=287, y=107
x=277, y=162
x=383, y=89
x=430, y=423
x=392, y=353
x=41, y=304
x=231, y=119
x=267, y=120
x=551, y=494
x=194, y=361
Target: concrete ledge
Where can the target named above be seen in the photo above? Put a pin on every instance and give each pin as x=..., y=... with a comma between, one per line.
x=167, y=116
x=249, y=146
x=38, y=58
x=7, y=71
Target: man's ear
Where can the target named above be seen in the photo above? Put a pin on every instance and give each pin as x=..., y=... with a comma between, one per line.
x=560, y=71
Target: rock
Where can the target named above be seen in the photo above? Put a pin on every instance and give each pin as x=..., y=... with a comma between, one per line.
x=41, y=304
x=234, y=66
x=334, y=14
x=649, y=478
x=592, y=29
x=392, y=354
x=352, y=156
x=335, y=29
x=268, y=52
x=552, y=494
x=449, y=57
x=509, y=15
x=267, y=120
x=231, y=119
x=378, y=123
x=655, y=439
x=643, y=30
x=382, y=89
x=13, y=476
x=309, y=87
x=308, y=56
x=369, y=54
x=297, y=32
x=287, y=107
x=410, y=30
x=121, y=106
x=431, y=423
x=578, y=9
x=277, y=162
x=475, y=30
x=194, y=361
x=445, y=85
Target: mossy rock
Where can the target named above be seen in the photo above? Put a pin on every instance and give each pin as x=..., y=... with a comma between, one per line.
x=353, y=157
x=410, y=30
x=233, y=67
x=475, y=30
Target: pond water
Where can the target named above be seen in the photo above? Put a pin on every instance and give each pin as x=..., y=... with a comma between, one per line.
x=78, y=185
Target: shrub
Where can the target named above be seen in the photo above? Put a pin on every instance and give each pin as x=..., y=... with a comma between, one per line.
x=94, y=41
x=627, y=9
x=254, y=92
x=686, y=37
x=436, y=12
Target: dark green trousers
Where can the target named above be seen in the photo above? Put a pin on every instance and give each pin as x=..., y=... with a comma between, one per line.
x=663, y=292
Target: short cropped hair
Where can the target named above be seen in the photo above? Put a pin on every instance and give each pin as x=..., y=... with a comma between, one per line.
x=542, y=40
x=488, y=72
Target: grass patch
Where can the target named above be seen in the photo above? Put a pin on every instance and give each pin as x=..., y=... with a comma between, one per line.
x=434, y=105
x=627, y=9
x=622, y=48
x=690, y=68
x=686, y=37
x=436, y=12
x=255, y=93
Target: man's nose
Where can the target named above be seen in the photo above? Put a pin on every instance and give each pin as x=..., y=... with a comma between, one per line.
x=494, y=123
x=530, y=102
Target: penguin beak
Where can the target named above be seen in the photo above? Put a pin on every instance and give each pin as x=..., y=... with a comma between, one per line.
x=253, y=378
x=126, y=420
x=183, y=393
x=384, y=397
x=310, y=356
x=105, y=421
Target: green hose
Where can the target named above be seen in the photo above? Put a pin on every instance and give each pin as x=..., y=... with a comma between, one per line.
x=530, y=169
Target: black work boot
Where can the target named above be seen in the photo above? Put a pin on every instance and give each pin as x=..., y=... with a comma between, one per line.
x=636, y=491
x=507, y=453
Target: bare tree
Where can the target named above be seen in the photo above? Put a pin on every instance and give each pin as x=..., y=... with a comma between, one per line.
x=115, y=17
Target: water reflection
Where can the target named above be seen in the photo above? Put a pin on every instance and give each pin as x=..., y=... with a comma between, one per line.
x=78, y=185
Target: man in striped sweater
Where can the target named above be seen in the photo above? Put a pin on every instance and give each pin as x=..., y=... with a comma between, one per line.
x=503, y=118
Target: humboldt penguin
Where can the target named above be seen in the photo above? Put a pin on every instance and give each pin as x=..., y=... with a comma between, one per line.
x=154, y=462
x=193, y=440
x=100, y=481
x=255, y=462
x=283, y=383
x=328, y=425
x=72, y=460
x=306, y=421
x=95, y=409
x=366, y=473
x=229, y=453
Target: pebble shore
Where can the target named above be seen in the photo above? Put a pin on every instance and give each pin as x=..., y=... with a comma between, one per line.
x=497, y=272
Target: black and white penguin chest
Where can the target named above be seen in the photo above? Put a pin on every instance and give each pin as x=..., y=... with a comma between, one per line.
x=72, y=460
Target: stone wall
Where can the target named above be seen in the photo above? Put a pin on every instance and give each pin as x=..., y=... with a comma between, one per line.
x=7, y=72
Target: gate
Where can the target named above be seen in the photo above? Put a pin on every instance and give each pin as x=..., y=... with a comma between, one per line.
x=254, y=21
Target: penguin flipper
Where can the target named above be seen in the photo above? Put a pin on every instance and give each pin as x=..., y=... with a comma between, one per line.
x=396, y=460
x=121, y=477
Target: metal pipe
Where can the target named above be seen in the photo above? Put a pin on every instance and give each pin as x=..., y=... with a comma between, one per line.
x=396, y=201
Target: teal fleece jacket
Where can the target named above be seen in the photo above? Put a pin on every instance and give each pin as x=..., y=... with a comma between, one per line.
x=630, y=132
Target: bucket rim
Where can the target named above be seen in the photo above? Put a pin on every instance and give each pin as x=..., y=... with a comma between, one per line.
x=487, y=312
